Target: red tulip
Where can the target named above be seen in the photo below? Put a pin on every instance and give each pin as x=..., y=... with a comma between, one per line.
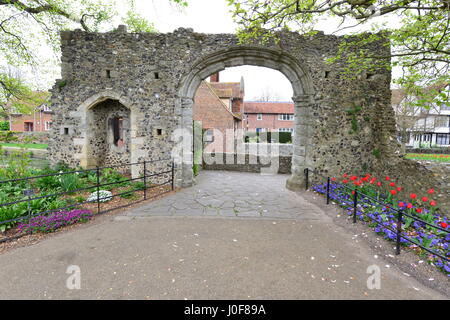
x=409, y=205
x=345, y=175
x=413, y=196
x=432, y=203
x=401, y=204
x=392, y=184
x=333, y=179
x=353, y=178
x=399, y=189
x=345, y=181
x=387, y=178
x=372, y=181
x=424, y=199
x=353, y=191
x=444, y=225
x=379, y=184
x=430, y=191
x=393, y=192
x=419, y=210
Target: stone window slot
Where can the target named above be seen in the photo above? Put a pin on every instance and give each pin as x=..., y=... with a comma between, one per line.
x=108, y=73
x=327, y=74
x=369, y=75
x=66, y=131
x=117, y=128
x=156, y=74
x=159, y=132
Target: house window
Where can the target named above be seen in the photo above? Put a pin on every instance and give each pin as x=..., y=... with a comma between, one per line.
x=28, y=126
x=285, y=117
x=259, y=116
x=443, y=139
x=286, y=130
x=209, y=135
x=48, y=125
x=46, y=108
x=441, y=122
x=117, y=127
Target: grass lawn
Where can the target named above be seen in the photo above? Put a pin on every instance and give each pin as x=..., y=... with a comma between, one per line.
x=26, y=145
x=429, y=157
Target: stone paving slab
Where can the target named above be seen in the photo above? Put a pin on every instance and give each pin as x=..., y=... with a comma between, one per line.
x=160, y=252
x=233, y=194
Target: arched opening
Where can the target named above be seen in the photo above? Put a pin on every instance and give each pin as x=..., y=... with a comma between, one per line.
x=109, y=138
x=303, y=99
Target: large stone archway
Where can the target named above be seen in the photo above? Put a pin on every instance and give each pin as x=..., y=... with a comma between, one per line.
x=295, y=72
x=156, y=75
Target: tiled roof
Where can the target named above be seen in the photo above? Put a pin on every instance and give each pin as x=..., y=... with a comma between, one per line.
x=269, y=107
x=227, y=89
x=214, y=91
x=397, y=96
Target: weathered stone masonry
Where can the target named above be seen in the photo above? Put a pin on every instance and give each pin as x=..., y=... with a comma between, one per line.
x=155, y=77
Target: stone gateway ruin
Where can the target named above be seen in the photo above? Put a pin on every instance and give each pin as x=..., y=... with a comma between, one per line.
x=128, y=97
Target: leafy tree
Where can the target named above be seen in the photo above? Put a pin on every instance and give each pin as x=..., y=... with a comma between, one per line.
x=26, y=26
x=136, y=23
x=420, y=44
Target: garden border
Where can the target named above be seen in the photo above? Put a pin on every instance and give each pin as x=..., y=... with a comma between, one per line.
x=400, y=213
x=97, y=187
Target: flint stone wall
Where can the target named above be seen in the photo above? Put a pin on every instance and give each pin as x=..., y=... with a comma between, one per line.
x=156, y=75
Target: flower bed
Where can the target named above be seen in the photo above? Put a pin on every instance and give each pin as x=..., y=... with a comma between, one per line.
x=429, y=157
x=377, y=200
x=55, y=220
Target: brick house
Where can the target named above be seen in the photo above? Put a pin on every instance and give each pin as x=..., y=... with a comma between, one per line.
x=40, y=118
x=217, y=105
x=268, y=116
x=221, y=108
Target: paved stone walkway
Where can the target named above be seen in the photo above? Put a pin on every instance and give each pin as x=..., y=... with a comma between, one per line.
x=233, y=194
x=232, y=236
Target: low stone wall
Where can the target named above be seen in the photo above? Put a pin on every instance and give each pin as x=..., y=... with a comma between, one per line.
x=247, y=163
x=282, y=149
x=429, y=151
x=35, y=153
x=417, y=177
x=37, y=137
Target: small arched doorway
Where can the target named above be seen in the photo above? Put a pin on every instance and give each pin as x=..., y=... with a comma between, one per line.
x=109, y=138
x=302, y=85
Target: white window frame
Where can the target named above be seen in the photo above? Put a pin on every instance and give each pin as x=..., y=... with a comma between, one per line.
x=285, y=117
x=259, y=116
x=47, y=125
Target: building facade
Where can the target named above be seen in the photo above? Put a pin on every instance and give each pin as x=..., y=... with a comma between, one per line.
x=31, y=113
x=268, y=116
x=215, y=106
x=421, y=127
x=40, y=120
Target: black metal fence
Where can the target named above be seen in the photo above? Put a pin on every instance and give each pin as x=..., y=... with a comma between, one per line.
x=160, y=179
x=357, y=198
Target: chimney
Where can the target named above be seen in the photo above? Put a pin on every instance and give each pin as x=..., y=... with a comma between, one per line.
x=214, y=77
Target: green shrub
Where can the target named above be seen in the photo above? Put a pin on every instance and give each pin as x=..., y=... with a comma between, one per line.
x=70, y=182
x=139, y=185
x=196, y=169
x=130, y=195
x=4, y=125
x=62, y=167
x=16, y=165
x=48, y=183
